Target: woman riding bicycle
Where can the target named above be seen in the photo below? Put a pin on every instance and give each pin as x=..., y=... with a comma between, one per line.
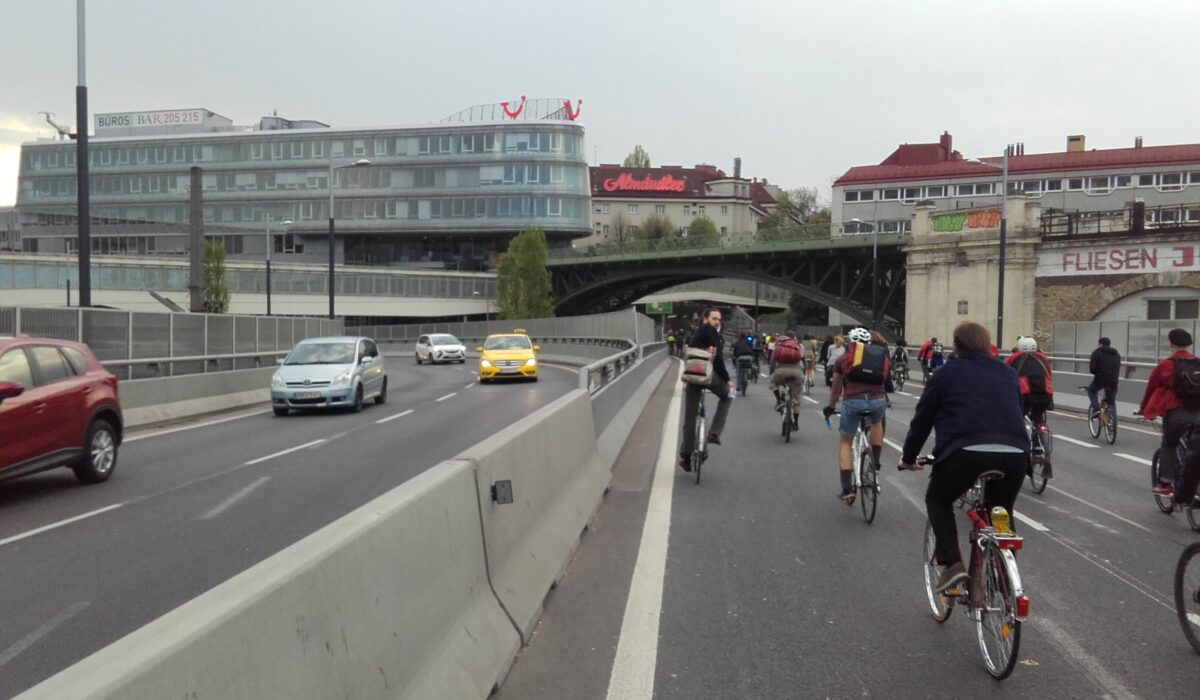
x=975, y=405
x=1163, y=398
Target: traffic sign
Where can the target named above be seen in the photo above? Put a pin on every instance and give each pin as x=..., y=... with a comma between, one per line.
x=660, y=307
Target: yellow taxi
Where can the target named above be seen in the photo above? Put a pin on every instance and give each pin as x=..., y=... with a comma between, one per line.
x=508, y=356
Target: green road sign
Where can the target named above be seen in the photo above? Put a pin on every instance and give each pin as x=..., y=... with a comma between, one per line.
x=662, y=307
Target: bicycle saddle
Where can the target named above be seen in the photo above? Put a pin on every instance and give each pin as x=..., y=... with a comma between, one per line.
x=991, y=474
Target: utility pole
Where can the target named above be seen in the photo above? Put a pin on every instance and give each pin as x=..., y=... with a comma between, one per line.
x=83, y=201
x=196, y=242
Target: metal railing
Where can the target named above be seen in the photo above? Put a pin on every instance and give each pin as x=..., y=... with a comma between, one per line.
x=616, y=324
x=601, y=373
x=1137, y=341
x=1165, y=220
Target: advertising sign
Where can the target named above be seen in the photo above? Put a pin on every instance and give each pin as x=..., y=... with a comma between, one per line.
x=1133, y=259
x=660, y=307
x=135, y=120
x=628, y=183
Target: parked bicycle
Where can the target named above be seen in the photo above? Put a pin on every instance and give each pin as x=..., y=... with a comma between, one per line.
x=1104, y=420
x=1187, y=593
x=865, y=473
x=993, y=595
x=1041, y=443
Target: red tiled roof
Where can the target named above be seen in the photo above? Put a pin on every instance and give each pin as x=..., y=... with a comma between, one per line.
x=694, y=181
x=1146, y=156
x=759, y=195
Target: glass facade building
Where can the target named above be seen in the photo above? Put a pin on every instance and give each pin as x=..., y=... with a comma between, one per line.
x=446, y=195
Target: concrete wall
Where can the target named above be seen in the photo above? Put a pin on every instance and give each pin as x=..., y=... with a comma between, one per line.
x=148, y=401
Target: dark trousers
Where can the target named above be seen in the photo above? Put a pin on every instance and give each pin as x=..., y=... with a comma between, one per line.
x=692, y=393
x=1189, y=472
x=1175, y=426
x=952, y=477
x=1110, y=395
x=1035, y=406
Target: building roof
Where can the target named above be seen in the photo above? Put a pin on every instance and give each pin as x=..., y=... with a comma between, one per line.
x=937, y=161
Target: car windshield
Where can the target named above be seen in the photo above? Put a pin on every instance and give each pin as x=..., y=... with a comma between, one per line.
x=443, y=340
x=507, y=342
x=322, y=354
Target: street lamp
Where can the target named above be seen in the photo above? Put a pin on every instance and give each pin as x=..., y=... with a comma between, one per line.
x=358, y=163
x=287, y=222
x=874, y=268
x=83, y=194
x=1003, y=168
x=487, y=306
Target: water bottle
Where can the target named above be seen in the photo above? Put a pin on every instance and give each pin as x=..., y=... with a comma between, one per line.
x=1000, y=521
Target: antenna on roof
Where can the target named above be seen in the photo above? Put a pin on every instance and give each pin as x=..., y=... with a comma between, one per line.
x=63, y=131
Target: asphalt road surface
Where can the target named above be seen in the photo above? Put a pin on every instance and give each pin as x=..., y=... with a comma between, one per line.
x=759, y=583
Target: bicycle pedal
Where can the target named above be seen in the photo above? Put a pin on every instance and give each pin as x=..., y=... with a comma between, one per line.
x=954, y=592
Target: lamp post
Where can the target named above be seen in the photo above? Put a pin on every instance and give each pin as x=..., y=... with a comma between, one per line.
x=332, y=167
x=874, y=268
x=83, y=198
x=487, y=307
x=1003, y=168
x=287, y=222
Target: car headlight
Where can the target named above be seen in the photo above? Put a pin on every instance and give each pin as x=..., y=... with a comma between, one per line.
x=531, y=362
x=277, y=380
x=483, y=362
x=343, y=378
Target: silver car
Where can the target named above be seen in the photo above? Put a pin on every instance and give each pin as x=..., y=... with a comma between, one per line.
x=440, y=347
x=329, y=373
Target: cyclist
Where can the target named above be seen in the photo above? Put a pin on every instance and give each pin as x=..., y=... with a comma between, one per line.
x=671, y=342
x=859, y=378
x=900, y=359
x=810, y=359
x=770, y=341
x=831, y=357
x=758, y=352
x=1105, y=367
x=1171, y=393
x=924, y=351
x=787, y=370
x=975, y=406
x=743, y=359
x=707, y=337
x=1034, y=378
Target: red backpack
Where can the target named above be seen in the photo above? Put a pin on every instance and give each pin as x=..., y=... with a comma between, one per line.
x=787, y=352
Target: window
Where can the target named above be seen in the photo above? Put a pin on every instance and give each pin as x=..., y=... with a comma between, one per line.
x=360, y=147
x=1099, y=185
x=77, y=359
x=851, y=196
x=1170, y=182
x=297, y=149
x=700, y=209
x=724, y=231
x=633, y=209
x=633, y=230
x=866, y=195
x=724, y=209
x=1187, y=308
x=604, y=208
x=1032, y=187
x=687, y=210
x=14, y=367
x=381, y=147
x=1145, y=180
x=1053, y=186
x=606, y=229
x=445, y=144
x=984, y=188
x=1158, y=309
x=1123, y=180
x=965, y=190
x=52, y=367
x=889, y=194
x=935, y=191
x=912, y=194
x=276, y=150
x=660, y=209
x=1075, y=183
x=1193, y=178
x=318, y=149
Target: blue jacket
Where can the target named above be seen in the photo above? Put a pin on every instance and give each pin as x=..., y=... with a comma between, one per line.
x=973, y=400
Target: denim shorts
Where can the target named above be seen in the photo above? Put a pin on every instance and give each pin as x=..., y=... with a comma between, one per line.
x=850, y=410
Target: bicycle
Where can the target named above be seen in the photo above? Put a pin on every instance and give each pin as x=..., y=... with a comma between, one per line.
x=993, y=594
x=746, y=374
x=1103, y=420
x=1187, y=593
x=700, y=446
x=1041, y=443
x=789, y=413
x=900, y=376
x=1165, y=502
x=865, y=477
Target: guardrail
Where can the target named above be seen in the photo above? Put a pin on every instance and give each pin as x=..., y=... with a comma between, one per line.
x=597, y=375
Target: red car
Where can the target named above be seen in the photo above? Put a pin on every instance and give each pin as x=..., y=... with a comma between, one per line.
x=58, y=407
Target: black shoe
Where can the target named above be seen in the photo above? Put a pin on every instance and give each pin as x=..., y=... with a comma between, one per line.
x=1048, y=470
x=951, y=576
x=714, y=439
x=847, y=495
x=685, y=463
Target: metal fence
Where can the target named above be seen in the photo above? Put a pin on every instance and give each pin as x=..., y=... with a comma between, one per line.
x=626, y=324
x=138, y=345
x=1137, y=341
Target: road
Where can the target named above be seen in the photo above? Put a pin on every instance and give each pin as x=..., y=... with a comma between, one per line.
x=193, y=505
x=759, y=583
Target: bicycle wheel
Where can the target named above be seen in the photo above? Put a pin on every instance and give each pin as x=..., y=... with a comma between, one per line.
x=1187, y=593
x=868, y=485
x=1163, y=502
x=1037, y=473
x=787, y=420
x=940, y=606
x=997, y=627
x=1110, y=427
x=1193, y=515
x=1094, y=422
x=1047, y=441
x=701, y=448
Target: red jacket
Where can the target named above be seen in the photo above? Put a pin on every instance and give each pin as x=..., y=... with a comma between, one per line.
x=923, y=352
x=1160, y=397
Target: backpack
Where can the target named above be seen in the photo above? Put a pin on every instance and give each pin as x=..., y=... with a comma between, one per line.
x=1186, y=382
x=1037, y=380
x=869, y=365
x=788, y=352
x=697, y=367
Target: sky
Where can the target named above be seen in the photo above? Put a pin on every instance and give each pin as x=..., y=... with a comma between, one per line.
x=799, y=90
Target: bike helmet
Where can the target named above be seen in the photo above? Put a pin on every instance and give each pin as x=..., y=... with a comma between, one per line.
x=1026, y=345
x=859, y=335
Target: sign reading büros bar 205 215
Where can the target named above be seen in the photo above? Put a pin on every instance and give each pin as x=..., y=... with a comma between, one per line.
x=134, y=120
x=1119, y=260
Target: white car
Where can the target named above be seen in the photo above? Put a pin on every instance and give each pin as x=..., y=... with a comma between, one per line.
x=440, y=347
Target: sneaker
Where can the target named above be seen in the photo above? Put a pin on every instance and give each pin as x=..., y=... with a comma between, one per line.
x=847, y=495
x=714, y=439
x=951, y=576
x=1164, y=489
x=685, y=462
x=1048, y=469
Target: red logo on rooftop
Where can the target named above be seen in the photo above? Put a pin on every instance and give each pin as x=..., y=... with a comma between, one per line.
x=627, y=182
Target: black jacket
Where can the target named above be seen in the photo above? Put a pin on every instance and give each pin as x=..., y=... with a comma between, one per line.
x=742, y=347
x=707, y=337
x=1105, y=366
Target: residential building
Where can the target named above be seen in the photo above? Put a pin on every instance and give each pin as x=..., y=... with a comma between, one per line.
x=10, y=235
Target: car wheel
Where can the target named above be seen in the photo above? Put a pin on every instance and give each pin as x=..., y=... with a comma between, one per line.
x=382, y=397
x=418, y=356
x=99, y=454
x=281, y=411
x=358, y=399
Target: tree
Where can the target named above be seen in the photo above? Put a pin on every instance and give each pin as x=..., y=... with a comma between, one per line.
x=656, y=227
x=618, y=228
x=216, y=293
x=523, y=281
x=808, y=312
x=702, y=233
x=638, y=159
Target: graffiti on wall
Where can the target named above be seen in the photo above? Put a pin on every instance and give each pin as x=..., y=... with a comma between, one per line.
x=954, y=223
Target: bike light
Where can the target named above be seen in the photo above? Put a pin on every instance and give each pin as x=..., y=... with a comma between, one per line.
x=1010, y=543
x=1022, y=606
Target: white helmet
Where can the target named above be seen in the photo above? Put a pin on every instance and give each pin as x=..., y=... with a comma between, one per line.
x=859, y=335
x=1026, y=345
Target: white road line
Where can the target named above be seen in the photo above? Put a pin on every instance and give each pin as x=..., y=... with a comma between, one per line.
x=1106, y=511
x=763, y=375
x=1132, y=458
x=228, y=502
x=1106, y=682
x=205, y=424
x=469, y=385
x=905, y=393
x=1067, y=415
x=1073, y=441
x=44, y=629
x=281, y=453
x=1031, y=522
x=1194, y=619
x=894, y=445
x=447, y=396
x=633, y=669
x=60, y=523
x=1122, y=426
x=811, y=400
x=398, y=415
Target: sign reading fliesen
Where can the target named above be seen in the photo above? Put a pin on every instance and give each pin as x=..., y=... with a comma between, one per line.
x=1119, y=260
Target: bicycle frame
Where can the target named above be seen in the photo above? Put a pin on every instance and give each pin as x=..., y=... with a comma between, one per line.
x=982, y=536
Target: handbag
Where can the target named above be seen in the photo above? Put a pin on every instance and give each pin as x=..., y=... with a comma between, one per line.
x=697, y=367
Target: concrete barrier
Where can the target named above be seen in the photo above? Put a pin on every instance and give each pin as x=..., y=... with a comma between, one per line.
x=617, y=407
x=148, y=401
x=558, y=481
x=390, y=601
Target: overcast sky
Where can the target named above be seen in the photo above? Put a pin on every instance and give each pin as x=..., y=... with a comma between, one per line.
x=800, y=90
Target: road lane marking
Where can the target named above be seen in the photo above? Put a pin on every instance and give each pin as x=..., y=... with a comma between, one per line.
x=469, y=385
x=1105, y=681
x=447, y=396
x=1120, y=424
x=1106, y=511
x=894, y=445
x=44, y=629
x=60, y=523
x=811, y=400
x=1067, y=415
x=763, y=375
x=168, y=431
x=228, y=502
x=281, y=453
x=1132, y=458
x=398, y=415
x=1073, y=441
x=1194, y=619
x=908, y=495
x=633, y=669
x=905, y=393
x=1031, y=522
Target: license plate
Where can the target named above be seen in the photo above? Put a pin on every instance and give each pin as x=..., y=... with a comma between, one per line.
x=508, y=370
x=305, y=395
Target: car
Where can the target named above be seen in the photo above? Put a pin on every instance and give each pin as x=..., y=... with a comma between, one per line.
x=439, y=347
x=337, y=372
x=508, y=356
x=58, y=407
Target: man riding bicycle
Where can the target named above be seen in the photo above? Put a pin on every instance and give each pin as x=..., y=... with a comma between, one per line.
x=900, y=359
x=707, y=337
x=859, y=379
x=787, y=373
x=1034, y=378
x=1105, y=367
x=1173, y=393
x=743, y=360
